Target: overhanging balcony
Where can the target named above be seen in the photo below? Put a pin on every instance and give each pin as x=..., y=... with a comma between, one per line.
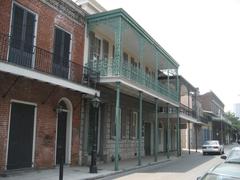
x=22, y=59
x=121, y=50
x=110, y=70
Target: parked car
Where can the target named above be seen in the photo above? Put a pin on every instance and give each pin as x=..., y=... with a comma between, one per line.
x=229, y=170
x=233, y=156
x=212, y=146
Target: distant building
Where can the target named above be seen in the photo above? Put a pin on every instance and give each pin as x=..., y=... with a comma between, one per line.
x=236, y=109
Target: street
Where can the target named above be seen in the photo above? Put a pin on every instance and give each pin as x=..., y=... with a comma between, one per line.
x=188, y=167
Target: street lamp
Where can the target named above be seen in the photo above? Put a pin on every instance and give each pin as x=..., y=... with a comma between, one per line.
x=93, y=167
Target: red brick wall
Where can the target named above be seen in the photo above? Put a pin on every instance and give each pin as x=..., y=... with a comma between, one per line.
x=37, y=92
x=48, y=18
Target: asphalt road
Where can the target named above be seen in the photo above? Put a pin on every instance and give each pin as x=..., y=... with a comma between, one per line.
x=188, y=167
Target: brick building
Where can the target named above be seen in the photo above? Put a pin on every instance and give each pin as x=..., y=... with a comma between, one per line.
x=42, y=82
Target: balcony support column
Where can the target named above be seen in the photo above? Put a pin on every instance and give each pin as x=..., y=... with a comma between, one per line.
x=178, y=133
x=189, y=148
x=118, y=48
x=117, y=125
x=168, y=133
x=140, y=130
x=178, y=118
x=196, y=132
x=156, y=145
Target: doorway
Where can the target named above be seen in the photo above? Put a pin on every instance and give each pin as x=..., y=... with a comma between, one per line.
x=64, y=132
x=21, y=136
x=147, y=139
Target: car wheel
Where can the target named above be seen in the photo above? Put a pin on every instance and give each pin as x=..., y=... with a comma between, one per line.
x=204, y=153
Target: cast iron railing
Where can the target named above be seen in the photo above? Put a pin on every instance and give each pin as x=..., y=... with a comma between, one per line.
x=20, y=53
x=187, y=111
x=130, y=72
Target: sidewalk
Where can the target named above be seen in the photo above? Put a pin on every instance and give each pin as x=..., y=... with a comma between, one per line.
x=82, y=172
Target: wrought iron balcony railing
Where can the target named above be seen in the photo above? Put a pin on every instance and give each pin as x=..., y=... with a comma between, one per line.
x=187, y=111
x=20, y=53
x=130, y=72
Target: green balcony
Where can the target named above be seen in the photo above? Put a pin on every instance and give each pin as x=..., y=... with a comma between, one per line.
x=109, y=69
x=120, y=48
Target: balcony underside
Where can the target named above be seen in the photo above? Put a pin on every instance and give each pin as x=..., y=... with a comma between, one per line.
x=29, y=73
x=131, y=88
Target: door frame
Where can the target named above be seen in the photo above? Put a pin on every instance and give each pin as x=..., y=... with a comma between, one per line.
x=34, y=128
x=68, y=132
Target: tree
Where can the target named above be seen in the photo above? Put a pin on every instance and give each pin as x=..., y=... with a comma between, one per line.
x=234, y=119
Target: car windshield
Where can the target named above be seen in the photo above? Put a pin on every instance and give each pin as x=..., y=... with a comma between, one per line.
x=217, y=177
x=211, y=143
x=233, y=157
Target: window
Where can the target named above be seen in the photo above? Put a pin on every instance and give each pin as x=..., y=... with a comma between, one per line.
x=105, y=49
x=125, y=58
x=97, y=49
x=123, y=123
x=61, y=53
x=133, y=125
x=113, y=123
x=22, y=36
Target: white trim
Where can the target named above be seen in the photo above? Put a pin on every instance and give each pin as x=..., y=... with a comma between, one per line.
x=34, y=136
x=9, y=124
x=68, y=147
x=117, y=79
x=21, y=71
x=23, y=102
x=34, y=128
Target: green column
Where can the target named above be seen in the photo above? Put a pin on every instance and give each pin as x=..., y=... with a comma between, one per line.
x=178, y=133
x=140, y=129
x=117, y=125
x=168, y=127
x=156, y=131
x=189, y=137
x=178, y=119
x=118, y=48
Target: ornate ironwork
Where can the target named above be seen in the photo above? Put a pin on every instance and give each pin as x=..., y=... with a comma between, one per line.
x=74, y=13
x=42, y=60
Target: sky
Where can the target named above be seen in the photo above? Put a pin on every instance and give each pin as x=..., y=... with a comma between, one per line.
x=203, y=36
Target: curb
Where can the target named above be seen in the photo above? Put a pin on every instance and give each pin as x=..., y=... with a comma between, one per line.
x=129, y=169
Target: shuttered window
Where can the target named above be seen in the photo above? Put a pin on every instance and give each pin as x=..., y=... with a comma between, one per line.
x=22, y=36
x=105, y=49
x=112, y=122
x=123, y=123
x=23, y=27
x=125, y=58
x=61, y=53
x=133, y=125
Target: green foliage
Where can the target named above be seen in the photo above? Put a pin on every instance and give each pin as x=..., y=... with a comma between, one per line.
x=235, y=120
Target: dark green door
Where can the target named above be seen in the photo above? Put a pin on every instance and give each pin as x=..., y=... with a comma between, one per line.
x=21, y=136
x=61, y=136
